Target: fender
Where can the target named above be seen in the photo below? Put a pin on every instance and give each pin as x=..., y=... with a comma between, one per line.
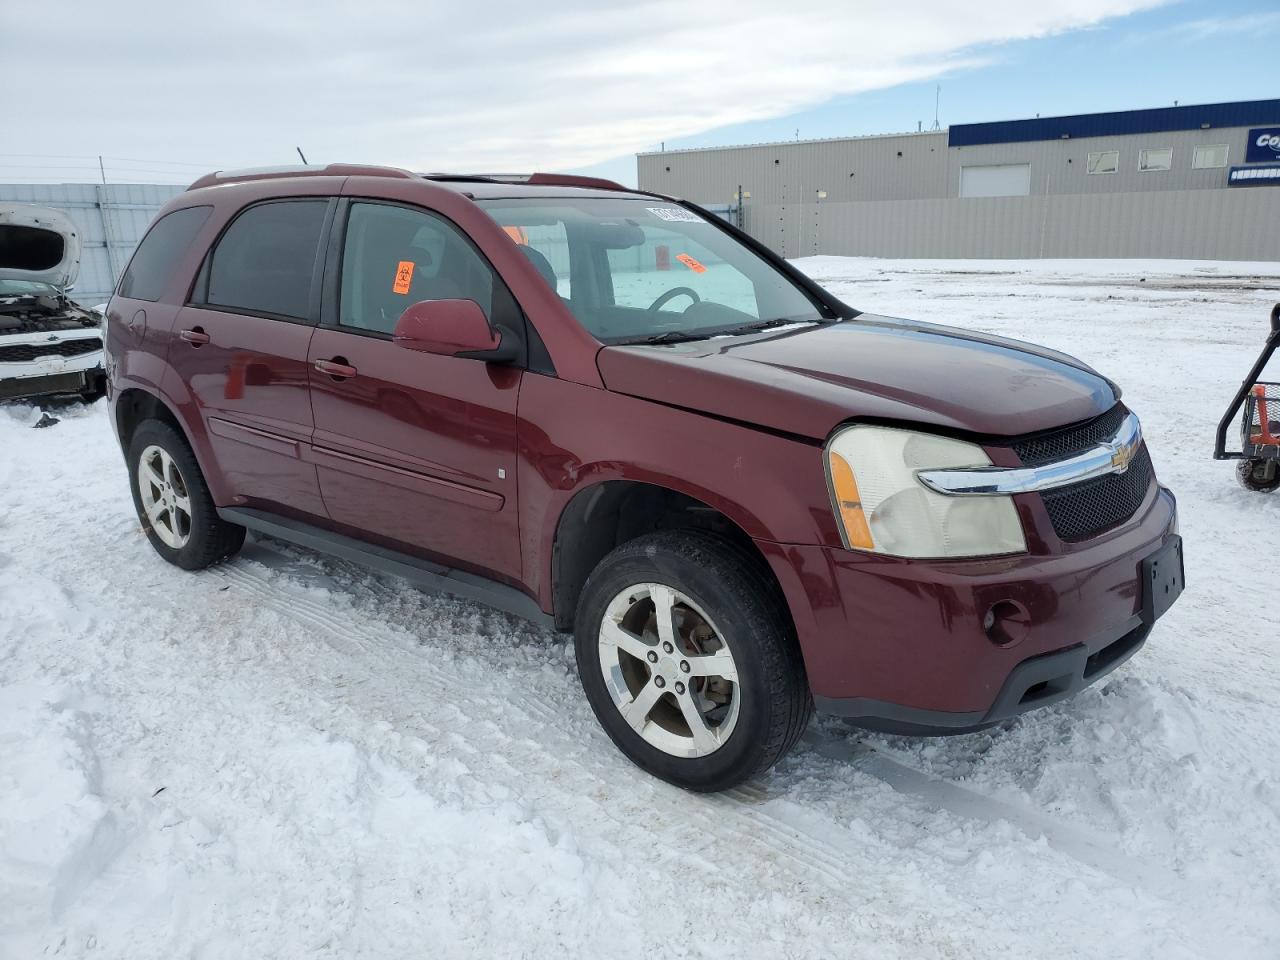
x=173, y=396
x=573, y=437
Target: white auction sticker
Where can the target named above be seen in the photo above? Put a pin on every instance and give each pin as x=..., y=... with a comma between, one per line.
x=675, y=214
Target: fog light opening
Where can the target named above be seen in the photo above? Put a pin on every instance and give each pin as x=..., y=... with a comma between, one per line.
x=1006, y=623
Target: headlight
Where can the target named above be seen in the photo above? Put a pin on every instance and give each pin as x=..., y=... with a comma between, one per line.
x=881, y=505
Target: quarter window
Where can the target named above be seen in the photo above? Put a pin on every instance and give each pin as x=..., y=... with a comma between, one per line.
x=1158, y=159
x=266, y=261
x=394, y=257
x=1104, y=161
x=1209, y=156
x=157, y=256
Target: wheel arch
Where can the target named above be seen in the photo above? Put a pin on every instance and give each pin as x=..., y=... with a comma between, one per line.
x=606, y=514
x=134, y=405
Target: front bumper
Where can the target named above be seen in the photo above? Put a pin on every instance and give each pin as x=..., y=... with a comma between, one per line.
x=900, y=645
x=76, y=381
x=50, y=373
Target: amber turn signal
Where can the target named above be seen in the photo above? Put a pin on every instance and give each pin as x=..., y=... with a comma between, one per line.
x=844, y=487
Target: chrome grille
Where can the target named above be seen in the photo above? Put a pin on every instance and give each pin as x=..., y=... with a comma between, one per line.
x=25, y=352
x=1086, y=509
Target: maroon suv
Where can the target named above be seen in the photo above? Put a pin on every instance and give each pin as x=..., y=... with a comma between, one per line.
x=614, y=413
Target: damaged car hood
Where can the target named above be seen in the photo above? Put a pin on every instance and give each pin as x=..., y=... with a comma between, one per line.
x=38, y=244
x=806, y=382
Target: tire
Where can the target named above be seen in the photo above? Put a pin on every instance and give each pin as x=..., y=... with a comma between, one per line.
x=202, y=538
x=722, y=600
x=1260, y=476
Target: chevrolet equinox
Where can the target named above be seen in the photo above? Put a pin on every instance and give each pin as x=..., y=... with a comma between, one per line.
x=614, y=413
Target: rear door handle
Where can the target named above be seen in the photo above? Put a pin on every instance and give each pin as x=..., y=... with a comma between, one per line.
x=337, y=368
x=196, y=337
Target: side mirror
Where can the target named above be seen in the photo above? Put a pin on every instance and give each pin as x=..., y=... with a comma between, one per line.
x=454, y=328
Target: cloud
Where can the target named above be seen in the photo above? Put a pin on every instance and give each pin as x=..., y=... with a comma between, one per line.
x=480, y=86
x=1212, y=27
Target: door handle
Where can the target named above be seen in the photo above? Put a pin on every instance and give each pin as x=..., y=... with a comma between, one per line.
x=338, y=368
x=196, y=337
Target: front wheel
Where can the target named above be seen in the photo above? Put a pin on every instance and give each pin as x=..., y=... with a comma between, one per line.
x=173, y=501
x=689, y=660
x=1260, y=476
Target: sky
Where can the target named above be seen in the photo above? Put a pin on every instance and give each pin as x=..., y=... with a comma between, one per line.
x=164, y=92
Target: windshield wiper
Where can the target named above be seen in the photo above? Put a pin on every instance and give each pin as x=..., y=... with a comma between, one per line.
x=763, y=325
x=670, y=336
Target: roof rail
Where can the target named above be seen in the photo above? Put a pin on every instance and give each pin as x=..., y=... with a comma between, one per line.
x=300, y=170
x=573, y=180
x=533, y=179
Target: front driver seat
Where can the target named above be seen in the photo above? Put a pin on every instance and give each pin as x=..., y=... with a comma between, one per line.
x=543, y=265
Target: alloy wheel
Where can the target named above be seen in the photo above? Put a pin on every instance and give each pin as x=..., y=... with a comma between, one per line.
x=669, y=670
x=165, y=499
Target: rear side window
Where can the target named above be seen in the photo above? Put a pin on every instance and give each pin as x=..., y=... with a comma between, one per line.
x=157, y=256
x=265, y=263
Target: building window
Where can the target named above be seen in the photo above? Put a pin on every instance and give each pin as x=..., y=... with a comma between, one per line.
x=1104, y=161
x=1210, y=156
x=996, y=180
x=1159, y=159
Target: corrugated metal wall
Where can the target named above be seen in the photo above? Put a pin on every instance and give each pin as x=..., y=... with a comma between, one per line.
x=1187, y=224
x=898, y=196
x=112, y=219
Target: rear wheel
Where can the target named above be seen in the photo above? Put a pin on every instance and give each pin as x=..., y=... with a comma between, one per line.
x=173, y=502
x=1260, y=476
x=689, y=660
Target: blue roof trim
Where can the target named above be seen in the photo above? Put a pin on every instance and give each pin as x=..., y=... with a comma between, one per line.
x=1249, y=113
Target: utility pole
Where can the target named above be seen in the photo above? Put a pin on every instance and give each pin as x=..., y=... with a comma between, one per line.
x=107, y=241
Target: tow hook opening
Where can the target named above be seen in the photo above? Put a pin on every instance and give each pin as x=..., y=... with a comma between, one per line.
x=1006, y=623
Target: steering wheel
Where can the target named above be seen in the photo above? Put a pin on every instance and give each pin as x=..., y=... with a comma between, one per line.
x=670, y=295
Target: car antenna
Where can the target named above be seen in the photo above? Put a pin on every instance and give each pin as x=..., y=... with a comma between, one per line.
x=301, y=154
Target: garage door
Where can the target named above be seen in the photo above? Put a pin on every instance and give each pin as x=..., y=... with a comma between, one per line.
x=996, y=180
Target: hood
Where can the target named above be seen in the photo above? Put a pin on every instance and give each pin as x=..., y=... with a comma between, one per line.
x=38, y=244
x=806, y=382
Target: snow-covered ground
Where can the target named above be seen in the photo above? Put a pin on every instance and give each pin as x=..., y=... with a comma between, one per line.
x=289, y=756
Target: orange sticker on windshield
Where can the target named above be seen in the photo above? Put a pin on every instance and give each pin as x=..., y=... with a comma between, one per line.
x=691, y=263
x=404, y=277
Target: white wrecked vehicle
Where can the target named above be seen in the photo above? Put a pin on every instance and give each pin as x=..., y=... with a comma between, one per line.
x=48, y=344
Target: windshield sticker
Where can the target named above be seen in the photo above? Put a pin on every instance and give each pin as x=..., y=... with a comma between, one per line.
x=675, y=215
x=691, y=263
x=404, y=277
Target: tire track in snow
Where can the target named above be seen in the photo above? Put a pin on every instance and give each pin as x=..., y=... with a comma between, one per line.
x=1088, y=847
x=832, y=854
x=782, y=841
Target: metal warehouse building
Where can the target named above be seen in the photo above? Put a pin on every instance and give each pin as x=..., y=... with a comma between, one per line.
x=112, y=218
x=1178, y=182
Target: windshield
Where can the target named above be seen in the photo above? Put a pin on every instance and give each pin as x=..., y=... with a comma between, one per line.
x=636, y=270
x=24, y=288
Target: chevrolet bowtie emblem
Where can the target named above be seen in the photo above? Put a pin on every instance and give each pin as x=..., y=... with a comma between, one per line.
x=1122, y=454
